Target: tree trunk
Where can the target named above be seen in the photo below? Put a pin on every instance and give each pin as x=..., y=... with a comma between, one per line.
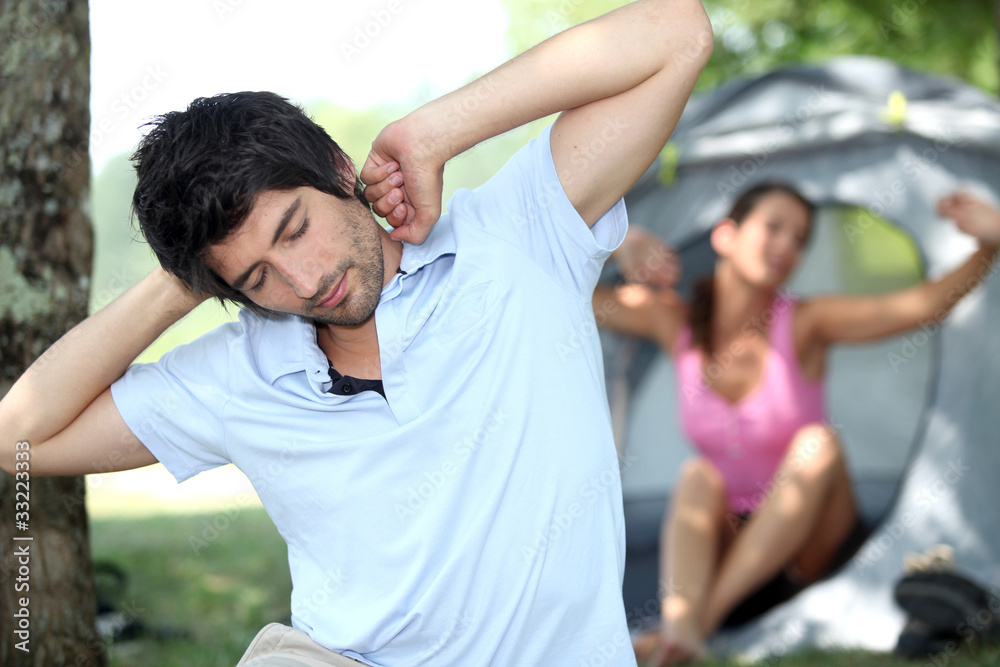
x=46, y=578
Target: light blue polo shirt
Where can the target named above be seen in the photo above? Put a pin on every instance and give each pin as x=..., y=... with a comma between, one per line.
x=474, y=515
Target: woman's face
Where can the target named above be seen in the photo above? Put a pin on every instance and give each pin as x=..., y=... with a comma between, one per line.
x=765, y=248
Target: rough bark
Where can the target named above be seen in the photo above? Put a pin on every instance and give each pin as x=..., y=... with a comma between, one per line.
x=45, y=256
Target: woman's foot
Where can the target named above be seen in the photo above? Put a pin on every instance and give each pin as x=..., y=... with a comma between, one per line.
x=645, y=644
x=678, y=640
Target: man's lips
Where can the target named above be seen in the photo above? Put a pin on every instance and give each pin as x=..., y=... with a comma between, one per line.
x=339, y=290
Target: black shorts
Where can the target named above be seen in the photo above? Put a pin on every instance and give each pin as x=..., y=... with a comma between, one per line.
x=782, y=588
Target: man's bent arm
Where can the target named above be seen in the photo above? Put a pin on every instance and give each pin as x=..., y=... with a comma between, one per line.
x=61, y=405
x=622, y=81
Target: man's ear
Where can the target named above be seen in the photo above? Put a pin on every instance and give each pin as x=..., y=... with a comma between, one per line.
x=723, y=235
x=346, y=170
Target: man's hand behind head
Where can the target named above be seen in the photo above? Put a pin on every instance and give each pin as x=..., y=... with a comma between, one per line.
x=404, y=182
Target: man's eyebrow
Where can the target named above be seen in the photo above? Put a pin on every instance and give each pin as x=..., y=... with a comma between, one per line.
x=286, y=217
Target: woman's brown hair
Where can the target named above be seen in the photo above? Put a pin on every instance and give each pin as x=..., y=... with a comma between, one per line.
x=703, y=297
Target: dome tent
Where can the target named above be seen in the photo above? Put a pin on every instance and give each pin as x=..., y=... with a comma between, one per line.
x=918, y=414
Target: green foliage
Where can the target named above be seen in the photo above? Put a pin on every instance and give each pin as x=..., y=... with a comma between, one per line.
x=955, y=39
x=219, y=597
x=227, y=592
x=121, y=256
x=874, y=255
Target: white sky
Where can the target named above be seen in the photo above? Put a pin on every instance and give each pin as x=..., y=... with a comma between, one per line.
x=150, y=57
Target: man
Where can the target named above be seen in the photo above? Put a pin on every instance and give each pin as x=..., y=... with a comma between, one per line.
x=422, y=412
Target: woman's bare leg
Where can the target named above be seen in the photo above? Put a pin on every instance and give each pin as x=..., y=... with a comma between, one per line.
x=836, y=522
x=806, y=519
x=689, y=552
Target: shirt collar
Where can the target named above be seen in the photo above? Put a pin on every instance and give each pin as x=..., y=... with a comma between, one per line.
x=284, y=344
x=440, y=242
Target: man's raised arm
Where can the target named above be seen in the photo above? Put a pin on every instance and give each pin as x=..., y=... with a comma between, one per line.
x=621, y=81
x=62, y=404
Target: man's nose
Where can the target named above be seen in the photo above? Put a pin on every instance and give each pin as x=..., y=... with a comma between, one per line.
x=303, y=274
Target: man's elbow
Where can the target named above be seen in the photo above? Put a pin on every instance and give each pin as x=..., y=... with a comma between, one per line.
x=686, y=30
x=8, y=457
x=10, y=444
x=700, y=40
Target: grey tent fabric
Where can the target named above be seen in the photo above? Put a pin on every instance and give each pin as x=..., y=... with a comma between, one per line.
x=832, y=131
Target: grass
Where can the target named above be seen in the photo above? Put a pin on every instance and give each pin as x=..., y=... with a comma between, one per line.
x=216, y=578
x=219, y=578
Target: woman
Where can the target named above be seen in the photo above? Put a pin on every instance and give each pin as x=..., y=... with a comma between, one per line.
x=769, y=493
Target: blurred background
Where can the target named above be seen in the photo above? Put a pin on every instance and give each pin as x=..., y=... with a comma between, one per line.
x=357, y=66
x=203, y=559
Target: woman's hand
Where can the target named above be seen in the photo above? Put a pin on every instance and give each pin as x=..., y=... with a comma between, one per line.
x=646, y=259
x=973, y=216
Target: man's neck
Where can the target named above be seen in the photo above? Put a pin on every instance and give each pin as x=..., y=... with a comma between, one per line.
x=353, y=350
x=392, y=255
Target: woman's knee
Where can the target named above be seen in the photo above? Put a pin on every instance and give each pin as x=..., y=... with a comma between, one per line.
x=699, y=477
x=815, y=448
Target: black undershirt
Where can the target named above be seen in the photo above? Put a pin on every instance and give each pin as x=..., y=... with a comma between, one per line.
x=345, y=385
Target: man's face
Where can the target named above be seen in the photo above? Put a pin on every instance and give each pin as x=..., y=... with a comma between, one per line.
x=305, y=252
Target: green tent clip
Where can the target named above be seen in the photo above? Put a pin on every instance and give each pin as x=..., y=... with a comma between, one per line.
x=895, y=110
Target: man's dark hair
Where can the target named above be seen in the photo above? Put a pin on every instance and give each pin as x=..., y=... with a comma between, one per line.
x=200, y=170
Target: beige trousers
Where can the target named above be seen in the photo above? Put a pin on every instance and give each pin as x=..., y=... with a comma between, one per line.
x=278, y=645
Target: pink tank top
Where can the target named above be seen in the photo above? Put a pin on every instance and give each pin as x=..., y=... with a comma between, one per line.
x=747, y=440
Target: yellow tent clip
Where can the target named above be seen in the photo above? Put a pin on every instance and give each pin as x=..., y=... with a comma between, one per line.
x=895, y=109
x=669, y=157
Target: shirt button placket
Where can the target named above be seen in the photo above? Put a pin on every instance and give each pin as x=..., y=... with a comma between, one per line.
x=734, y=449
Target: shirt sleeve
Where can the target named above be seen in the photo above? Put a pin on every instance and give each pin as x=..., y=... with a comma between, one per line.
x=525, y=206
x=175, y=406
